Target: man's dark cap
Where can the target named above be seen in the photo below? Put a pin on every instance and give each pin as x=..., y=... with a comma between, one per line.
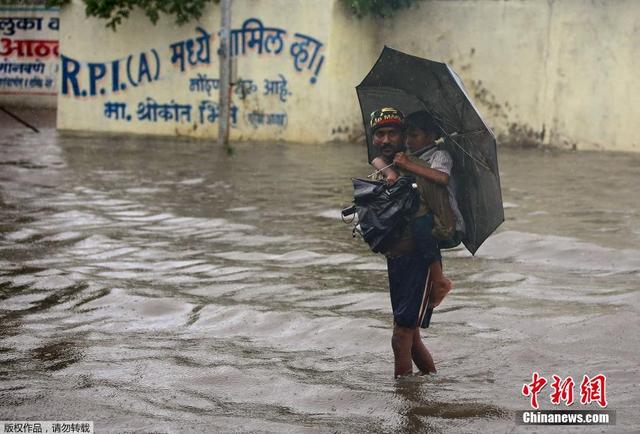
x=386, y=117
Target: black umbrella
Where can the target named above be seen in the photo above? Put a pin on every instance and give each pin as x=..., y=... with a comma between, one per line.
x=411, y=84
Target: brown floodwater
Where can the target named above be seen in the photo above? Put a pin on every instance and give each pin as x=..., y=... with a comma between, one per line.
x=158, y=285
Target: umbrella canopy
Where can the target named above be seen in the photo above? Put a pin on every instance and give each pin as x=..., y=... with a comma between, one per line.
x=411, y=84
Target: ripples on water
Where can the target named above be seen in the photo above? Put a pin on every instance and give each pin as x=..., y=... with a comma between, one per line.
x=155, y=284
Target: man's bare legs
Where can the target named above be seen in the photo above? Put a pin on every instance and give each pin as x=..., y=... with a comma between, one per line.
x=421, y=355
x=441, y=285
x=402, y=342
x=407, y=346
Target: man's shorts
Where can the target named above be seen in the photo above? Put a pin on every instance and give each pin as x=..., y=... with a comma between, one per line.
x=408, y=274
x=407, y=285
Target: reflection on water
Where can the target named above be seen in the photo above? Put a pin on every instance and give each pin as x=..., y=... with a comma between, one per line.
x=158, y=285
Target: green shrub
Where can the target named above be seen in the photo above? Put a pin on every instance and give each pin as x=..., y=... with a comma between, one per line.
x=380, y=8
x=115, y=11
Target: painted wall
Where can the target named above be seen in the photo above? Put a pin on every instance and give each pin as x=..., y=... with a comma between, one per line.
x=163, y=79
x=559, y=72
x=28, y=55
x=553, y=72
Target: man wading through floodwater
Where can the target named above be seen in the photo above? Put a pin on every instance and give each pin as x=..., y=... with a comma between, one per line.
x=410, y=257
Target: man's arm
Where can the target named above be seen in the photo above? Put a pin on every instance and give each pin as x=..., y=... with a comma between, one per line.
x=390, y=175
x=434, y=175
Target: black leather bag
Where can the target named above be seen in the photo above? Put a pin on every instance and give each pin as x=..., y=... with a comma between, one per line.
x=384, y=210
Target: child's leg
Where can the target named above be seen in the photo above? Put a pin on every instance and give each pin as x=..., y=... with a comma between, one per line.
x=441, y=285
x=421, y=355
x=401, y=343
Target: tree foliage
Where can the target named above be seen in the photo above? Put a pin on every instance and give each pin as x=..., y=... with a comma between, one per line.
x=380, y=8
x=22, y=2
x=115, y=11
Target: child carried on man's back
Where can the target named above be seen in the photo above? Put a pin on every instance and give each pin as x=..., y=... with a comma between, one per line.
x=433, y=168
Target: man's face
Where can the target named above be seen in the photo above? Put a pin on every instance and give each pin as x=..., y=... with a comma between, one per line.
x=388, y=140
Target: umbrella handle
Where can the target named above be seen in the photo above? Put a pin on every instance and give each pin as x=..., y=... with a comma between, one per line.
x=371, y=175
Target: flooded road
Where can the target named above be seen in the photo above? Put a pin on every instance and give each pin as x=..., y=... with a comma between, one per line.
x=153, y=284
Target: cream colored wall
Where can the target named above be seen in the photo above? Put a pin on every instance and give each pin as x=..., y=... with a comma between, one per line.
x=303, y=108
x=554, y=72
x=593, y=96
x=560, y=72
x=353, y=49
